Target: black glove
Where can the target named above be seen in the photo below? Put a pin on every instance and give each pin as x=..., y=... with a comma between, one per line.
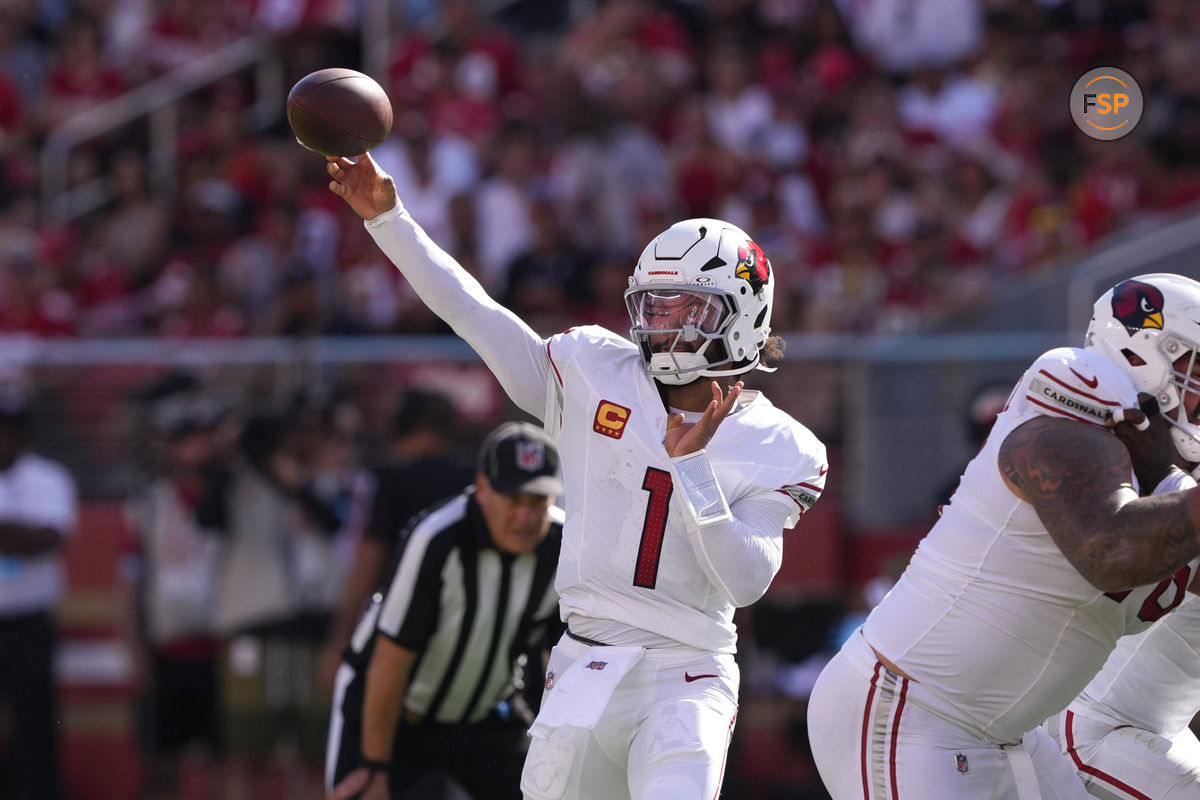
x=1152, y=451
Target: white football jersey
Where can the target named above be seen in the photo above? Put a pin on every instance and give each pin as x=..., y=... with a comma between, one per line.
x=1152, y=680
x=625, y=555
x=629, y=573
x=989, y=616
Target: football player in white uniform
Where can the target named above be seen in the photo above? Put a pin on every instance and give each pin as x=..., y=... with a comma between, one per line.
x=1044, y=557
x=1127, y=733
x=678, y=489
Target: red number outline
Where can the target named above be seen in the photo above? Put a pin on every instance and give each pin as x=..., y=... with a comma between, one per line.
x=1151, y=611
x=660, y=486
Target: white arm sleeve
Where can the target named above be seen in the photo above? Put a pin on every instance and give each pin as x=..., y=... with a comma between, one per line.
x=514, y=353
x=742, y=555
x=1176, y=481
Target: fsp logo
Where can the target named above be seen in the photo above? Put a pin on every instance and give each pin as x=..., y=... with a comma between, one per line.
x=610, y=419
x=1106, y=103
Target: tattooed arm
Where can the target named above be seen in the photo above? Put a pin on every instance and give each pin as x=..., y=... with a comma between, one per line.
x=1077, y=479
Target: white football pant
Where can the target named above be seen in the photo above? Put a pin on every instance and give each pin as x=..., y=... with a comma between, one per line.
x=873, y=741
x=662, y=736
x=1127, y=763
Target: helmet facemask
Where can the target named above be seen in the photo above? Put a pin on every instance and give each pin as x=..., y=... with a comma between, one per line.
x=1171, y=399
x=681, y=330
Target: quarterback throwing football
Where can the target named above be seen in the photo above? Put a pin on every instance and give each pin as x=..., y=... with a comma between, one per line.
x=678, y=490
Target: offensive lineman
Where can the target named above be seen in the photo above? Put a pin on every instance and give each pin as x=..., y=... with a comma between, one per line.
x=677, y=494
x=1127, y=733
x=1044, y=557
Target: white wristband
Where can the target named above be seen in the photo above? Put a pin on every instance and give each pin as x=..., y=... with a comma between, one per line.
x=701, y=493
x=1118, y=415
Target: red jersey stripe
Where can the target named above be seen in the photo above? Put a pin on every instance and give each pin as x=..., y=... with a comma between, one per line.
x=1079, y=392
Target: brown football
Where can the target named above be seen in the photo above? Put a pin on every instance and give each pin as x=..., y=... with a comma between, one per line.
x=339, y=112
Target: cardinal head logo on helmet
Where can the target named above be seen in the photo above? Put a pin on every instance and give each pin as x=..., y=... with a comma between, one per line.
x=752, y=265
x=1138, y=305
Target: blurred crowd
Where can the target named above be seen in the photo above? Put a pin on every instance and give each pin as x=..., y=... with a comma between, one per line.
x=244, y=540
x=900, y=161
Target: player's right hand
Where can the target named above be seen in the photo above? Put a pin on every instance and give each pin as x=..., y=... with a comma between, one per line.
x=368, y=189
x=1151, y=449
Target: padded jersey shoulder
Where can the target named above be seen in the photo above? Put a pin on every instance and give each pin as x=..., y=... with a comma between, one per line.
x=1073, y=383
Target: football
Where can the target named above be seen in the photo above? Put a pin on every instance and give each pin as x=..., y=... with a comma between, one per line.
x=339, y=112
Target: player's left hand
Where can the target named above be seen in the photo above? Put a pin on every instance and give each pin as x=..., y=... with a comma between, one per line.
x=687, y=437
x=1146, y=435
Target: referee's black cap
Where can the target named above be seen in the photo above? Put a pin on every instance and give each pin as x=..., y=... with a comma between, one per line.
x=519, y=457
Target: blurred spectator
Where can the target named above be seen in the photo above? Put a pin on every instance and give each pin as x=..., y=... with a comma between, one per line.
x=418, y=469
x=38, y=508
x=607, y=283
x=949, y=104
x=178, y=593
x=253, y=267
x=204, y=311
x=465, y=75
x=739, y=110
x=184, y=30
x=705, y=171
x=298, y=311
x=80, y=77
x=13, y=122
x=275, y=594
x=549, y=278
x=609, y=163
x=987, y=401
x=34, y=298
x=465, y=237
x=133, y=233
x=23, y=58
x=902, y=34
x=428, y=170
x=325, y=438
x=502, y=207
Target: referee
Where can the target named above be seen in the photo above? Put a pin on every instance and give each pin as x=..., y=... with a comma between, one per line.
x=471, y=591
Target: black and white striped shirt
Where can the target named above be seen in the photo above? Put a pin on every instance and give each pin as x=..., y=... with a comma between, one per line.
x=467, y=609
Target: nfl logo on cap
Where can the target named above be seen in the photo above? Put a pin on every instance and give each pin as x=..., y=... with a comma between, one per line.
x=530, y=455
x=519, y=457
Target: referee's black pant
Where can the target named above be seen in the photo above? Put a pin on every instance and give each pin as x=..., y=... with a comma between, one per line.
x=485, y=759
x=27, y=683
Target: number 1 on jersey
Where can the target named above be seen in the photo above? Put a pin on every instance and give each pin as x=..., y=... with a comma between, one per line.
x=658, y=483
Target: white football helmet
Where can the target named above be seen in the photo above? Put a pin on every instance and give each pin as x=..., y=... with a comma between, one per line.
x=700, y=302
x=1147, y=325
